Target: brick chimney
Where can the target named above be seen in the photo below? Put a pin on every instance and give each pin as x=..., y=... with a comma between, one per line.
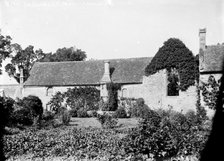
x=104, y=80
x=202, y=39
x=106, y=75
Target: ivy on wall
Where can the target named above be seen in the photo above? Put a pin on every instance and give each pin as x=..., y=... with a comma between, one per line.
x=175, y=55
x=113, y=95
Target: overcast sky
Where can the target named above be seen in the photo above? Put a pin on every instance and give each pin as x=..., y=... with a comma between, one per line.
x=111, y=28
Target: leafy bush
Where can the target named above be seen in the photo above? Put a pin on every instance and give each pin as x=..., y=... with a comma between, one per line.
x=65, y=117
x=166, y=134
x=85, y=143
x=73, y=112
x=48, y=115
x=113, y=97
x=140, y=109
x=7, y=110
x=107, y=121
x=34, y=103
x=76, y=98
x=56, y=102
x=120, y=113
x=127, y=104
x=82, y=112
x=22, y=116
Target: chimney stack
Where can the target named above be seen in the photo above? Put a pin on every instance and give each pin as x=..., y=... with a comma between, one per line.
x=202, y=39
x=106, y=75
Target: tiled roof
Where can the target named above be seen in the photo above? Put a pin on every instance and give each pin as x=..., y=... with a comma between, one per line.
x=90, y=72
x=213, y=58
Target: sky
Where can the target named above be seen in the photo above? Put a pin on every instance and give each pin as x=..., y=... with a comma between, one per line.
x=107, y=29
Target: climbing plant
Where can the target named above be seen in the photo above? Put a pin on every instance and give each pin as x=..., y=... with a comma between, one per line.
x=112, y=95
x=175, y=55
x=210, y=91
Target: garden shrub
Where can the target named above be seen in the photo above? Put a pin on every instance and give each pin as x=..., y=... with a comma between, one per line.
x=165, y=133
x=34, y=103
x=80, y=143
x=120, y=113
x=76, y=98
x=7, y=109
x=56, y=102
x=65, y=117
x=82, y=112
x=48, y=115
x=22, y=116
x=140, y=109
x=107, y=121
x=127, y=104
x=73, y=112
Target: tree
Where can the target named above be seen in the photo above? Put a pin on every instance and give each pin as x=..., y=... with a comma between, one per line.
x=175, y=55
x=25, y=59
x=65, y=54
x=5, y=48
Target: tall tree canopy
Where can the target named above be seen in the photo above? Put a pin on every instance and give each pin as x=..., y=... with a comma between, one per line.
x=175, y=55
x=5, y=48
x=65, y=54
x=24, y=58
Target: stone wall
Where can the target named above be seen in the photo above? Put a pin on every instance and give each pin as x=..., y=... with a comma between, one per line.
x=154, y=91
x=44, y=93
x=12, y=91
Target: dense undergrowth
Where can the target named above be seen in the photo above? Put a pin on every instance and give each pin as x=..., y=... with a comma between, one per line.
x=164, y=133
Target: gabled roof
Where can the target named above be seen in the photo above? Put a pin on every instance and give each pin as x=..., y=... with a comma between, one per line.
x=213, y=58
x=90, y=72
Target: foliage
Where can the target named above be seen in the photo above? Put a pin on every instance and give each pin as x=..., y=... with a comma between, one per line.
x=34, y=103
x=82, y=112
x=113, y=98
x=27, y=111
x=22, y=116
x=107, y=120
x=65, y=54
x=25, y=59
x=7, y=109
x=76, y=98
x=65, y=117
x=5, y=48
x=120, y=113
x=175, y=55
x=140, y=109
x=56, y=102
x=127, y=104
x=210, y=91
x=85, y=143
x=166, y=134
x=173, y=86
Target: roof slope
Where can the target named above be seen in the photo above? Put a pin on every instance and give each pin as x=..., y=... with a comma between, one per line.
x=86, y=72
x=213, y=58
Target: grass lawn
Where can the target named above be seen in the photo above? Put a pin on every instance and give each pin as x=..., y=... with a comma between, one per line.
x=93, y=122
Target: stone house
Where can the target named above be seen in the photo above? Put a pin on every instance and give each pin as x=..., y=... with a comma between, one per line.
x=46, y=78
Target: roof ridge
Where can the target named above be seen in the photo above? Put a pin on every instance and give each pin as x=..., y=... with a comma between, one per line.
x=100, y=60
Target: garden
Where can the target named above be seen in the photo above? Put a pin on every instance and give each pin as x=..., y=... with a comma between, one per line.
x=87, y=128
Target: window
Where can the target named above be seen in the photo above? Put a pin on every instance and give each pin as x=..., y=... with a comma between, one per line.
x=173, y=83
